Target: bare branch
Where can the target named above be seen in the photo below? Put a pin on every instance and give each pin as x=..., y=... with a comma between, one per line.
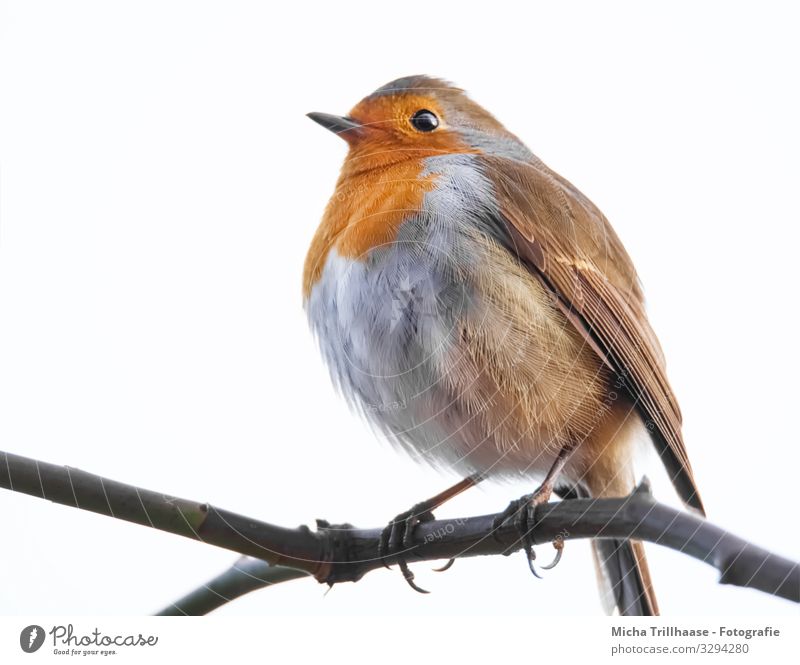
x=341, y=553
x=245, y=575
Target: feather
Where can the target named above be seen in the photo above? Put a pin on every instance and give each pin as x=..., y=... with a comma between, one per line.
x=567, y=242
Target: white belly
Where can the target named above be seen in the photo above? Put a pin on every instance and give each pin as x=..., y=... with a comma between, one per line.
x=388, y=330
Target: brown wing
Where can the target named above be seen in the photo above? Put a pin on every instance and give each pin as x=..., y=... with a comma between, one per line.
x=568, y=242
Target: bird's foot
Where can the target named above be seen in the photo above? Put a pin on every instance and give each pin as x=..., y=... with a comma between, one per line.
x=397, y=538
x=522, y=513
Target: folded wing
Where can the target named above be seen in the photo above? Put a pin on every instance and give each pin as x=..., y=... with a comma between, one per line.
x=568, y=243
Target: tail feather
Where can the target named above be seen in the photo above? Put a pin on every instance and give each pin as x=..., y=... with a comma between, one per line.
x=624, y=577
x=622, y=572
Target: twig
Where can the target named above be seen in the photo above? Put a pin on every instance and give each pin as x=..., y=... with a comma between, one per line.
x=246, y=575
x=340, y=553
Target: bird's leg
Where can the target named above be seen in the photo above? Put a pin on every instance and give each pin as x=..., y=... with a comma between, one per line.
x=397, y=536
x=523, y=510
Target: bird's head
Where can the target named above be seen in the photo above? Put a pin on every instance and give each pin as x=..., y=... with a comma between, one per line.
x=413, y=117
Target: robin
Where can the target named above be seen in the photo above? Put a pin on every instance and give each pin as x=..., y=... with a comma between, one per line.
x=481, y=311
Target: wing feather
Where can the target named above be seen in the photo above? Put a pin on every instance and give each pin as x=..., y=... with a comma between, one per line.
x=569, y=244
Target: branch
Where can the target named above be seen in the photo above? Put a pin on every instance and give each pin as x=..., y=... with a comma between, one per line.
x=342, y=553
x=245, y=575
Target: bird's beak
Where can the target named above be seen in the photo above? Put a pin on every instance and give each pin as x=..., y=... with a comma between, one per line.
x=347, y=128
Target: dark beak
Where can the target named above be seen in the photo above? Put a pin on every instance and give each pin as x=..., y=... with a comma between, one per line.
x=345, y=127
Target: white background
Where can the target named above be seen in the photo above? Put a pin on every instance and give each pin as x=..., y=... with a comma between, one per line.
x=160, y=184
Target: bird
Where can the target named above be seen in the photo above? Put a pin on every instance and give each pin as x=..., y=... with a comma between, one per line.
x=482, y=314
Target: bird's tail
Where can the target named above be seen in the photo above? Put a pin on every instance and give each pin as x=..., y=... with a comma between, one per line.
x=622, y=573
x=624, y=578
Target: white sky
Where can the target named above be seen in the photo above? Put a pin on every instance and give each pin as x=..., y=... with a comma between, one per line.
x=160, y=184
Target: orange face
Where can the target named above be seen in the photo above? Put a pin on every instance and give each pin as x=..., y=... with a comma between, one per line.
x=412, y=117
x=398, y=127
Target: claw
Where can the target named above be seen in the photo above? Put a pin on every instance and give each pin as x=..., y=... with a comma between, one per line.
x=398, y=536
x=446, y=566
x=525, y=533
x=409, y=577
x=559, y=545
x=522, y=511
x=530, y=555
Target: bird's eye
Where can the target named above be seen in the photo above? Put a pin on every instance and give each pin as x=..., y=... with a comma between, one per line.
x=425, y=120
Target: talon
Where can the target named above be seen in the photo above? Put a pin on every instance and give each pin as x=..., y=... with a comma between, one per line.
x=525, y=534
x=409, y=577
x=398, y=536
x=531, y=557
x=523, y=513
x=559, y=546
x=446, y=566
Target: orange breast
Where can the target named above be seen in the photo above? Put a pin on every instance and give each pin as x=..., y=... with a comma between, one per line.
x=366, y=210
